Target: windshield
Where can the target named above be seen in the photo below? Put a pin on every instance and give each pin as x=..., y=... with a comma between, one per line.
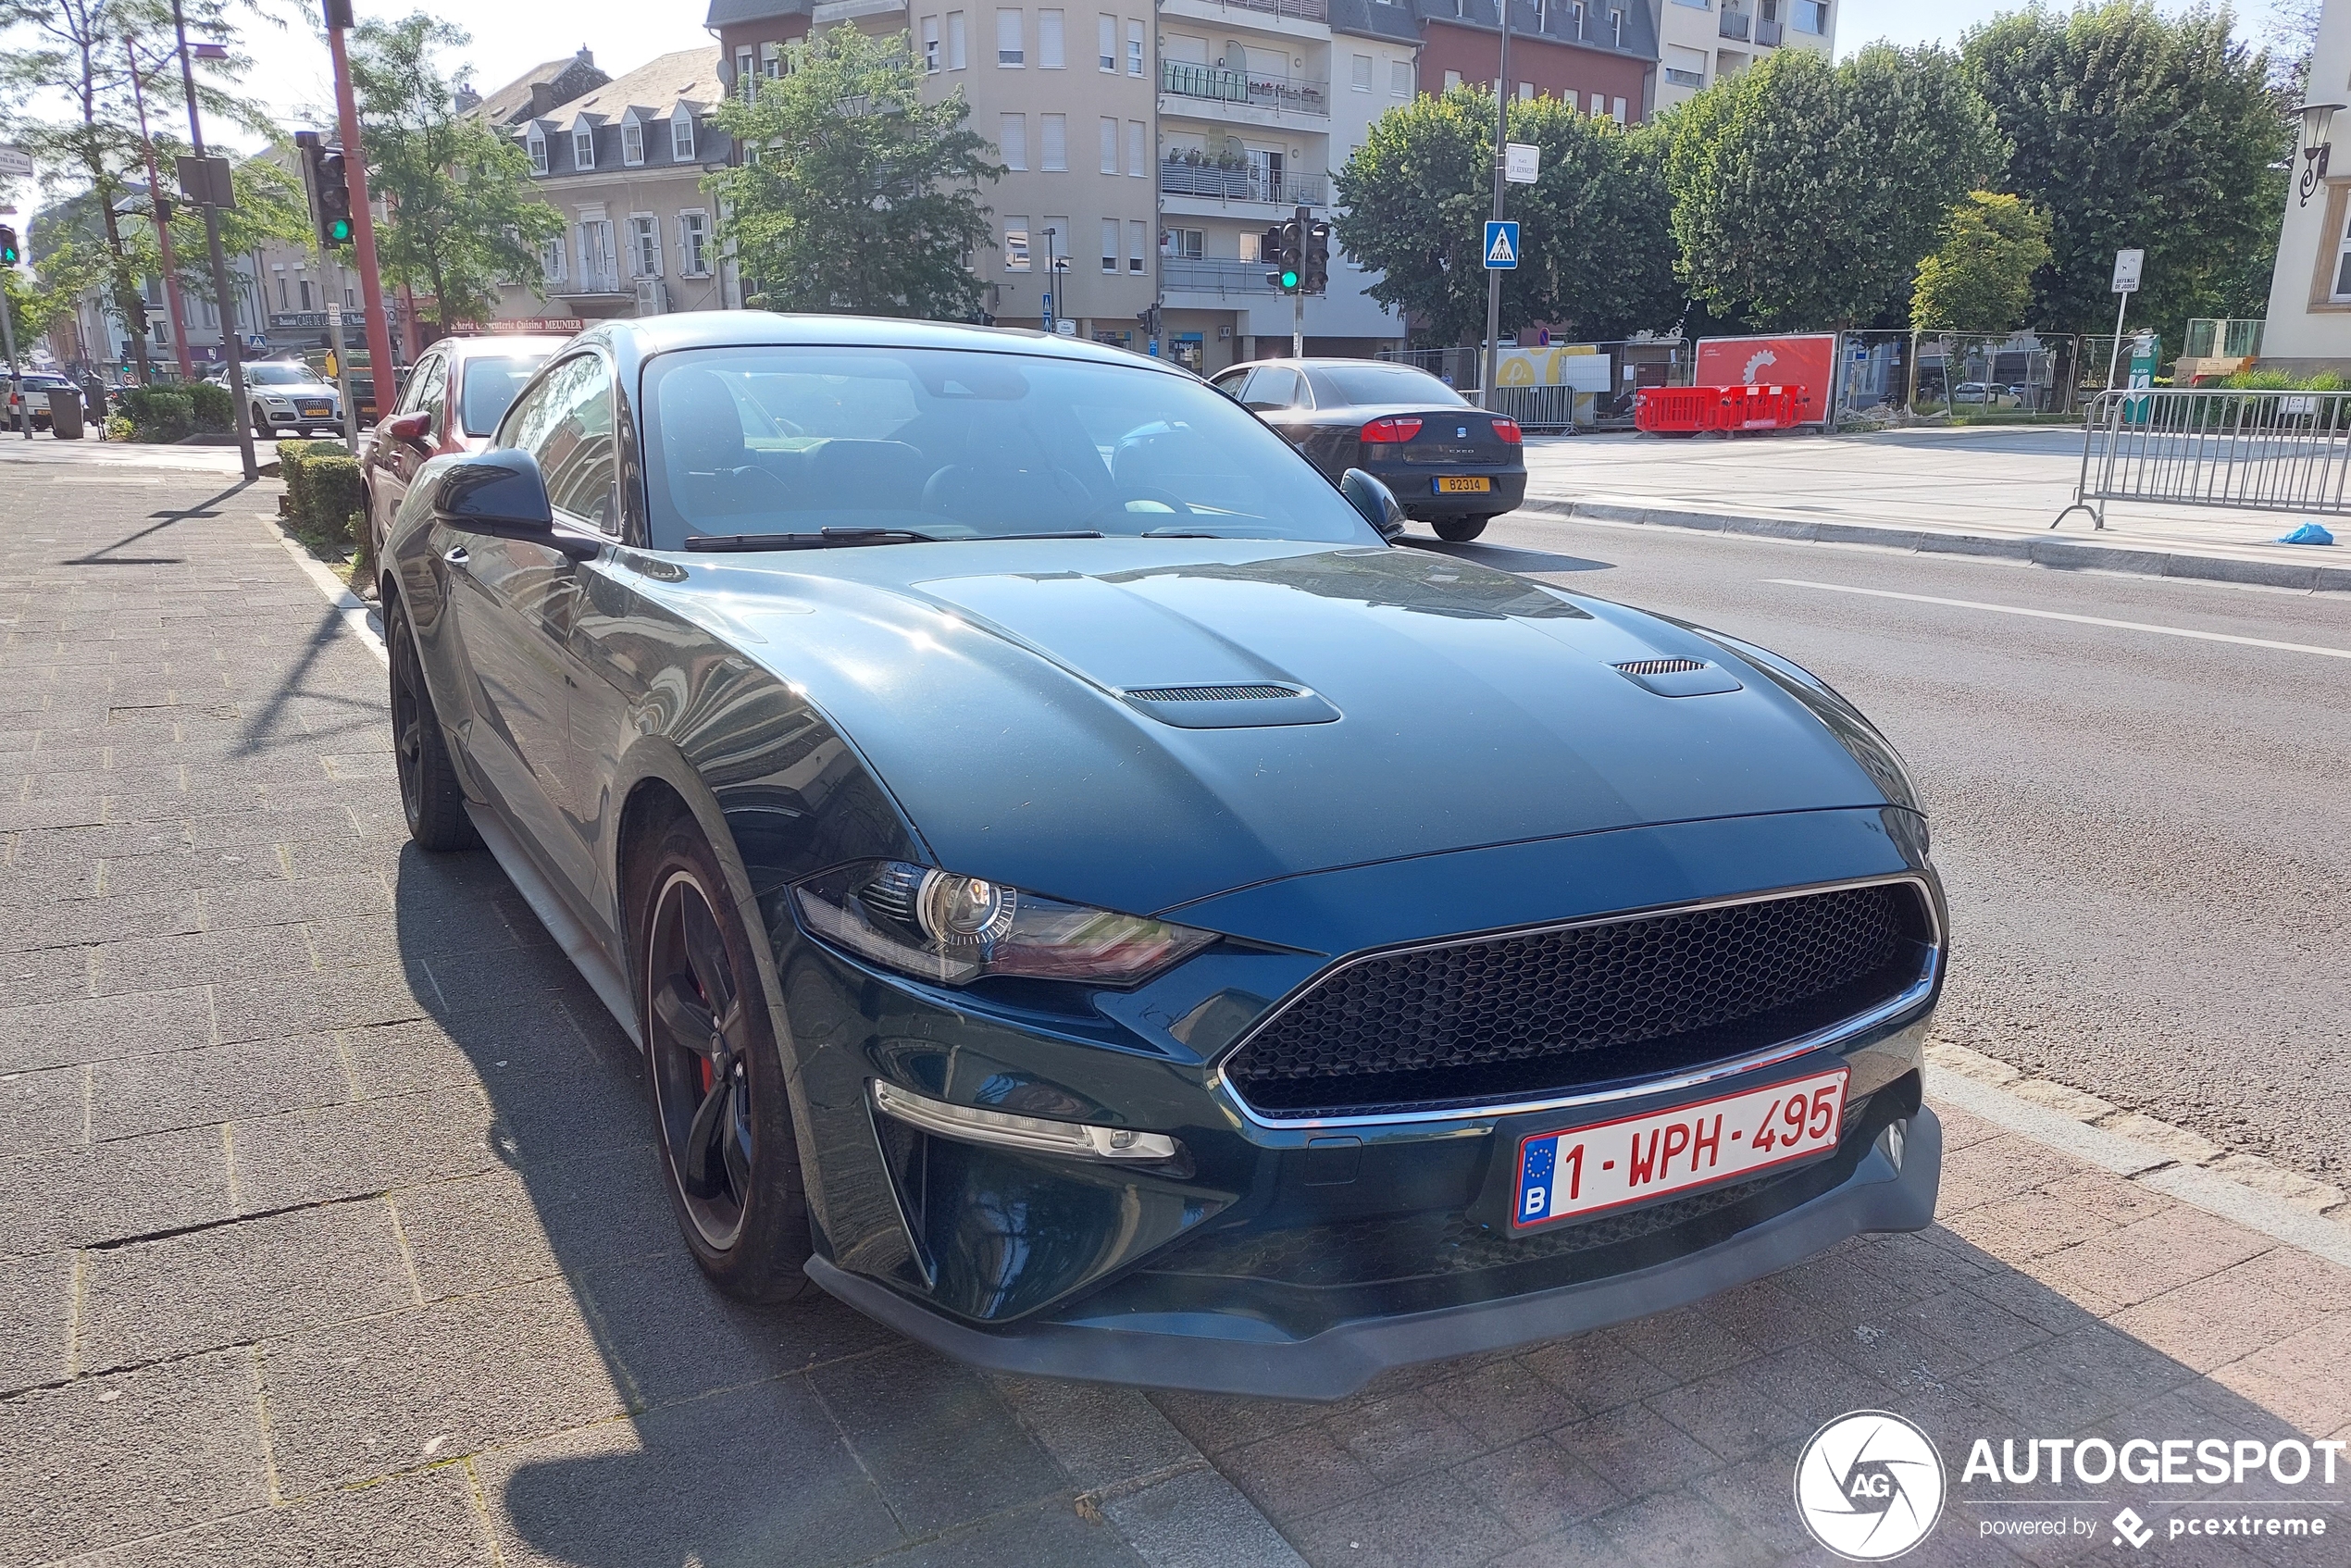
x=279, y=375
x=955, y=444
x=487, y=388
x=1370, y=382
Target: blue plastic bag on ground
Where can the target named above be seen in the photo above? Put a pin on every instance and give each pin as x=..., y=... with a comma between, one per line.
x=2309, y=534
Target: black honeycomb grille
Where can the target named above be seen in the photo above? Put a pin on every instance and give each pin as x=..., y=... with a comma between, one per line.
x=1580, y=1007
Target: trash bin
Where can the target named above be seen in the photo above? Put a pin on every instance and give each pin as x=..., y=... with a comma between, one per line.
x=65, y=413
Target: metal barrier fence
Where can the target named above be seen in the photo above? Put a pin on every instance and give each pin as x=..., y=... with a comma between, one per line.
x=2255, y=451
x=1537, y=409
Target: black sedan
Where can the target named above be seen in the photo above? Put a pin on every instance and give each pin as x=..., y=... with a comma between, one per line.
x=1451, y=465
x=1089, y=902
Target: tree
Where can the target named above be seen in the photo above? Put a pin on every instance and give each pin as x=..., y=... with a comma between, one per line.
x=859, y=195
x=1596, y=248
x=1805, y=193
x=461, y=214
x=78, y=51
x=2132, y=129
x=1980, y=278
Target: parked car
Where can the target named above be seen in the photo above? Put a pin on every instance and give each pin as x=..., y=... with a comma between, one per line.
x=1451, y=465
x=286, y=397
x=1089, y=902
x=1990, y=394
x=37, y=387
x=450, y=402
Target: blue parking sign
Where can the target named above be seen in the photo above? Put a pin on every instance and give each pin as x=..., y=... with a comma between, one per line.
x=1502, y=244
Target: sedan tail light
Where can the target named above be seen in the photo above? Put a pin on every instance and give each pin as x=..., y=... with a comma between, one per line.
x=1507, y=432
x=1392, y=430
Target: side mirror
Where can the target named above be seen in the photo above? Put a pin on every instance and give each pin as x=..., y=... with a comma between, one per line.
x=1376, y=501
x=409, y=428
x=501, y=494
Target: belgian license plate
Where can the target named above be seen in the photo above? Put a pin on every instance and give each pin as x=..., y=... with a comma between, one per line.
x=1586, y=1170
x=1463, y=484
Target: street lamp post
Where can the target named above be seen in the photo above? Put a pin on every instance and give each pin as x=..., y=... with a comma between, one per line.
x=230, y=349
x=1501, y=138
x=2317, y=121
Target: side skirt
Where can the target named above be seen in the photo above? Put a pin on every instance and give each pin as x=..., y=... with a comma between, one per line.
x=586, y=953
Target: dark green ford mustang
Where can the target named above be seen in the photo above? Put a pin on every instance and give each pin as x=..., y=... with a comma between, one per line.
x=1092, y=903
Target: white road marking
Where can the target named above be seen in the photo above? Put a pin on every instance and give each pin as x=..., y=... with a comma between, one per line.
x=2061, y=616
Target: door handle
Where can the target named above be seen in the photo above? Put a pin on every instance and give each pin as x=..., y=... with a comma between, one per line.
x=455, y=556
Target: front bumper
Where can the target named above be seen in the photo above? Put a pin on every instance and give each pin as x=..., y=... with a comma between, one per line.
x=1298, y=1252
x=1213, y=1352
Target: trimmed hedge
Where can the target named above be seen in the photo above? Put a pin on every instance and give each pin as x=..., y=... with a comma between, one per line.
x=323, y=492
x=158, y=414
x=215, y=409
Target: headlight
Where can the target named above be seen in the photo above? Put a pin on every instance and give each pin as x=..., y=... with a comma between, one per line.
x=937, y=926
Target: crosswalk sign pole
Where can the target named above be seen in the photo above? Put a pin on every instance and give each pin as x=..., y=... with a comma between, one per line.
x=1493, y=277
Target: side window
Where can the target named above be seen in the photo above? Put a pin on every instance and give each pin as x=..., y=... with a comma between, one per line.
x=1271, y=386
x=425, y=373
x=566, y=424
x=432, y=392
x=1229, y=383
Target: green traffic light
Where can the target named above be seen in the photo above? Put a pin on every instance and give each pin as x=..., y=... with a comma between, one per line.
x=340, y=228
x=1290, y=279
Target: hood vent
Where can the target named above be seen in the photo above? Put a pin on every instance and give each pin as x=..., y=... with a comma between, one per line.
x=1209, y=694
x=1243, y=705
x=1677, y=677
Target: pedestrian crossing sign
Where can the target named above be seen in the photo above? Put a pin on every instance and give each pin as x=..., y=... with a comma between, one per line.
x=1502, y=244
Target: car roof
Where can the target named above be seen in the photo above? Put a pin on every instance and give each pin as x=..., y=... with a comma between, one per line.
x=740, y=328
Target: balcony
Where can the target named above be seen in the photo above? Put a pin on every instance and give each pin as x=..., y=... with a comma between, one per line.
x=832, y=13
x=1733, y=25
x=1294, y=10
x=1298, y=96
x=1768, y=32
x=1223, y=278
x=1243, y=182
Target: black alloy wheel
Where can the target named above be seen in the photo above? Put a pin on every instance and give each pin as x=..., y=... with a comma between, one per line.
x=430, y=796
x=1459, y=530
x=719, y=1093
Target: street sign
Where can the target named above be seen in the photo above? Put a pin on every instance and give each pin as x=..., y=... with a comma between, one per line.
x=1502, y=244
x=1520, y=162
x=334, y=314
x=15, y=164
x=1048, y=312
x=2127, y=266
x=204, y=182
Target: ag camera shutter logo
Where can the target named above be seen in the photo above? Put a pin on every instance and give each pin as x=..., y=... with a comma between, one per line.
x=1869, y=1485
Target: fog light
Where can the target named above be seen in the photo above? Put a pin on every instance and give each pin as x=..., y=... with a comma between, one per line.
x=973, y=1125
x=1890, y=1142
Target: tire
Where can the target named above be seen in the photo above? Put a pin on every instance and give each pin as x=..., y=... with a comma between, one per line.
x=721, y=1112
x=429, y=795
x=1460, y=530
x=260, y=425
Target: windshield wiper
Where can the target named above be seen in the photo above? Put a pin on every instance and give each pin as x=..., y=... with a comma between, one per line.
x=1198, y=533
x=822, y=539
x=825, y=537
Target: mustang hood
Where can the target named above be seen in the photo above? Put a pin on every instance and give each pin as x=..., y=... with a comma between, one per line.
x=1165, y=727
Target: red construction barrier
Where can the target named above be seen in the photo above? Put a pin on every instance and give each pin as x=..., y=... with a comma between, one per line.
x=1683, y=411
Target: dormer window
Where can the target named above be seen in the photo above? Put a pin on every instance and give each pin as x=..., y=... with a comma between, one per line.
x=632, y=144
x=681, y=137
x=537, y=146
x=583, y=147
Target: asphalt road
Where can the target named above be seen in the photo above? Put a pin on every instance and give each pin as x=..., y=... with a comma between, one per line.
x=2146, y=836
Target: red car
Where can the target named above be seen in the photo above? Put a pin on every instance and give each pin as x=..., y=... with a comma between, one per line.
x=454, y=399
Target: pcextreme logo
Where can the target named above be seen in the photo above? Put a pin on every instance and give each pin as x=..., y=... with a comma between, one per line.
x=1869, y=1485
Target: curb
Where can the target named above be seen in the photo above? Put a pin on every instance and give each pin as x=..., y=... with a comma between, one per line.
x=356, y=612
x=2143, y=1163
x=2055, y=552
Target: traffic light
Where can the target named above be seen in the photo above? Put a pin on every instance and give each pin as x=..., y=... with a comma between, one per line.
x=1315, y=268
x=1293, y=256
x=324, y=175
x=9, y=254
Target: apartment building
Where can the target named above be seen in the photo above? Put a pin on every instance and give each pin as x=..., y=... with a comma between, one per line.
x=1065, y=95
x=1597, y=55
x=1701, y=41
x=624, y=164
